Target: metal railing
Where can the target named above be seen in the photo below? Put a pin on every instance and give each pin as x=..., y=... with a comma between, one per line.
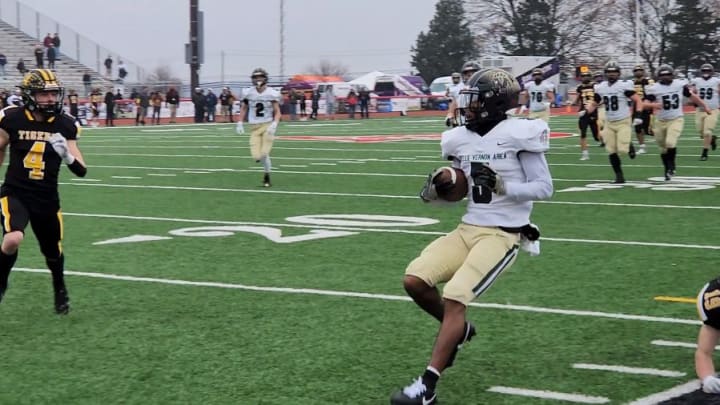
x=73, y=44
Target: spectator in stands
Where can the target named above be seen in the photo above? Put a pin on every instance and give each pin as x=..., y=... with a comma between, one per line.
x=118, y=95
x=3, y=62
x=51, y=55
x=15, y=98
x=211, y=101
x=122, y=71
x=364, y=99
x=21, y=66
x=56, y=43
x=134, y=93
x=39, y=56
x=352, y=100
x=87, y=82
x=198, y=100
x=172, y=99
x=330, y=102
x=108, y=66
x=109, y=108
x=47, y=41
x=156, y=100
x=314, y=104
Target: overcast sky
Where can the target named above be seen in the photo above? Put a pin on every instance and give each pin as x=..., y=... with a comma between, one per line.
x=362, y=35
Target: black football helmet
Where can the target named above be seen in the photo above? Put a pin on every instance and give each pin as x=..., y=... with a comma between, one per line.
x=612, y=71
x=707, y=70
x=259, y=75
x=666, y=74
x=639, y=71
x=490, y=93
x=468, y=69
x=41, y=80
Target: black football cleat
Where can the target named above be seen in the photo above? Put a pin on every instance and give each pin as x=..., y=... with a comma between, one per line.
x=668, y=175
x=416, y=393
x=468, y=334
x=266, y=180
x=619, y=179
x=631, y=151
x=703, y=158
x=713, y=142
x=62, y=302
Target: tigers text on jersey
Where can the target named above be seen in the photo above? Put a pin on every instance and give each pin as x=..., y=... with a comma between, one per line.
x=707, y=90
x=538, y=95
x=260, y=105
x=34, y=165
x=640, y=84
x=586, y=93
x=498, y=149
x=708, y=304
x=616, y=99
x=671, y=98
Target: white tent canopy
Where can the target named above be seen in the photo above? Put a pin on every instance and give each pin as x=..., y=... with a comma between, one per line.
x=369, y=79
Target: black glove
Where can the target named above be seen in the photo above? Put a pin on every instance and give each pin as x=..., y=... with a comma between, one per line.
x=483, y=175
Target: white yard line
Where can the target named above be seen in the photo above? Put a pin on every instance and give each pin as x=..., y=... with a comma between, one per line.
x=353, y=294
x=162, y=174
x=674, y=392
x=671, y=343
x=559, y=396
x=629, y=370
x=126, y=177
x=388, y=196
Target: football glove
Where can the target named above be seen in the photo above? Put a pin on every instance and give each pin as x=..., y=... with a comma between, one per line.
x=582, y=113
x=272, y=129
x=59, y=144
x=450, y=122
x=431, y=188
x=637, y=121
x=711, y=385
x=239, y=128
x=485, y=176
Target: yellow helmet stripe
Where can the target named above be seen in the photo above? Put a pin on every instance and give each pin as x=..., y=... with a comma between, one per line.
x=43, y=73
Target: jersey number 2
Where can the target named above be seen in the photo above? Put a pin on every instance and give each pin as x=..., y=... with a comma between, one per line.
x=259, y=110
x=34, y=161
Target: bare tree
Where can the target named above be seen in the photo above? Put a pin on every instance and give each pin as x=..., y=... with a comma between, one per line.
x=328, y=68
x=572, y=30
x=162, y=79
x=655, y=27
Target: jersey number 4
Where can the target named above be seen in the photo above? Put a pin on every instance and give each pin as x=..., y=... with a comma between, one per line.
x=34, y=161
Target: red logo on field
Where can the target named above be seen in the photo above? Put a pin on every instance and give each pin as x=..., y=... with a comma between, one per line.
x=384, y=138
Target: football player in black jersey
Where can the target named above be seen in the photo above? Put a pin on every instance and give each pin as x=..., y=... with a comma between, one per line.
x=708, y=306
x=586, y=96
x=40, y=138
x=640, y=81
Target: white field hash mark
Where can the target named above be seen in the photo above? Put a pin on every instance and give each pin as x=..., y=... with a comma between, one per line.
x=353, y=294
x=560, y=396
x=671, y=343
x=629, y=370
x=674, y=392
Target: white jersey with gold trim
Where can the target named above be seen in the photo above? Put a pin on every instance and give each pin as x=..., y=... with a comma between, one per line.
x=537, y=93
x=670, y=96
x=707, y=90
x=260, y=105
x=498, y=149
x=615, y=98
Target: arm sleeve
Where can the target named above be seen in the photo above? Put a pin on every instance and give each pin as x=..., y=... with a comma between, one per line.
x=629, y=93
x=650, y=97
x=686, y=91
x=539, y=181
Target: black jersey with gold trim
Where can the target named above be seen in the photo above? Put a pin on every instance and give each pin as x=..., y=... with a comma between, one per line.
x=708, y=304
x=640, y=85
x=586, y=94
x=34, y=165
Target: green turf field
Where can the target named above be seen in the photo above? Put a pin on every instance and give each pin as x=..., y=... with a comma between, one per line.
x=194, y=285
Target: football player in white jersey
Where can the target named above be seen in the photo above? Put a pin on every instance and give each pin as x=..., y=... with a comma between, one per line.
x=452, y=93
x=468, y=69
x=599, y=77
x=666, y=97
x=540, y=94
x=262, y=105
x=707, y=87
x=616, y=95
x=504, y=161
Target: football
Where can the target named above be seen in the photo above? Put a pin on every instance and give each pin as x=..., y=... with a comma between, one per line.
x=451, y=184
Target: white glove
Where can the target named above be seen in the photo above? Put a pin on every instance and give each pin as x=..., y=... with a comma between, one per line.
x=239, y=128
x=711, y=385
x=582, y=113
x=523, y=108
x=547, y=105
x=272, y=128
x=637, y=121
x=59, y=143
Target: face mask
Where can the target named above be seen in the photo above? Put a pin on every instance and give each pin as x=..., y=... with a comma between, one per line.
x=258, y=83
